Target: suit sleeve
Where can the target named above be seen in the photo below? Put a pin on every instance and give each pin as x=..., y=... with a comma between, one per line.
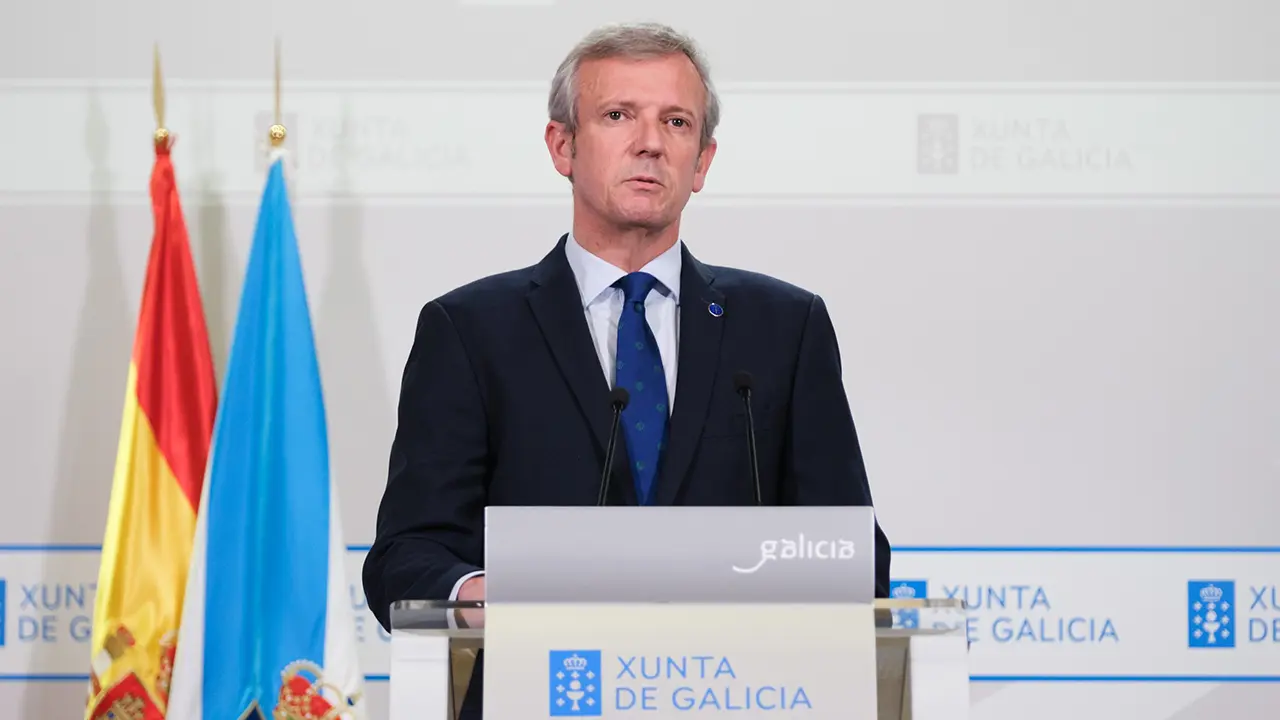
x=822, y=456
x=430, y=521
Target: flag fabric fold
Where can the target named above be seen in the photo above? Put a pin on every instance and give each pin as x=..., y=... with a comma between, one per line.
x=269, y=630
x=169, y=411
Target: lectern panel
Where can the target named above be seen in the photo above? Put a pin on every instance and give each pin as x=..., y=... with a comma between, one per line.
x=680, y=554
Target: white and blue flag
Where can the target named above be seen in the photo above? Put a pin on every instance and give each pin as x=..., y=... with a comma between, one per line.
x=267, y=621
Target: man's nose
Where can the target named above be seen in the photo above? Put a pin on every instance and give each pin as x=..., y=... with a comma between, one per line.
x=650, y=139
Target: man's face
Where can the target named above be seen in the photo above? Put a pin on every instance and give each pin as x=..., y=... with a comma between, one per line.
x=636, y=155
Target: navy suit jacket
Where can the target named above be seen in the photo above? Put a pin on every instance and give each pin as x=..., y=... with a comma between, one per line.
x=503, y=402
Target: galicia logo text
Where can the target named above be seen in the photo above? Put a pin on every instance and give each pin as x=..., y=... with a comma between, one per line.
x=799, y=548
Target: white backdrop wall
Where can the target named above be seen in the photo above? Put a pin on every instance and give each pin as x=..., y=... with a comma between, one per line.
x=1046, y=233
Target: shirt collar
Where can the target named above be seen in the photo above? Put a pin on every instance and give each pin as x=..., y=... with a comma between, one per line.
x=595, y=275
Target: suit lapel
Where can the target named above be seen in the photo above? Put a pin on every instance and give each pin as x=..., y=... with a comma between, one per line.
x=699, y=360
x=557, y=307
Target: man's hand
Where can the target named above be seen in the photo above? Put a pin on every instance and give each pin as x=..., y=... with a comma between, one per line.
x=472, y=591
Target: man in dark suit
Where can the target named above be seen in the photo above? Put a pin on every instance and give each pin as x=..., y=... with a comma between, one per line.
x=506, y=393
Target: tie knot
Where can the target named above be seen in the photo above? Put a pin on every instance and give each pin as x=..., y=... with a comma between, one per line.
x=636, y=286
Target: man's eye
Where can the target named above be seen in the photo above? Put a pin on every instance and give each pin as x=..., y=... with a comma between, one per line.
x=615, y=115
x=680, y=122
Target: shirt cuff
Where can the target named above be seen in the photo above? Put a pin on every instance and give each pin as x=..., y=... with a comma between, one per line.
x=453, y=596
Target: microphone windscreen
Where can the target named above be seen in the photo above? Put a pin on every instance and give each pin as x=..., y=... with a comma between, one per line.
x=619, y=398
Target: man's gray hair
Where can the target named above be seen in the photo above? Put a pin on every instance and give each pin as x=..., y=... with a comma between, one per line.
x=632, y=40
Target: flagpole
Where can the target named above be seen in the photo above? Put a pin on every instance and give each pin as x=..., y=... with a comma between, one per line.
x=157, y=99
x=277, y=132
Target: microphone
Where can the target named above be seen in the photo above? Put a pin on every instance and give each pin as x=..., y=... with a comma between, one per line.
x=618, y=399
x=742, y=383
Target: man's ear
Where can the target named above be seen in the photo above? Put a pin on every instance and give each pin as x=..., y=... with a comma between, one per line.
x=560, y=145
x=703, y=165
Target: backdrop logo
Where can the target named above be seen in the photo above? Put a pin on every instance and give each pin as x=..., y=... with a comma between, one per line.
x=1211, y=613
x=4, y=594
x=1042, y=144
x=938, y=144
x=575, y=683
x=1016, y=144
x=908, y=590
x=799, y=549
x=341, y=144
x=50, y=613
x=368, y=629
x=1030, y=614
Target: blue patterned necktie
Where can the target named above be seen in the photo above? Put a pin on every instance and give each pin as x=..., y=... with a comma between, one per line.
x=639, y=370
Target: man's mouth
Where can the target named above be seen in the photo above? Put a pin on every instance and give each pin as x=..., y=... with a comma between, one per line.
x=646, y=179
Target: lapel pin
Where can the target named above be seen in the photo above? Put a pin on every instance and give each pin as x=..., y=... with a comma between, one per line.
x=715, y=310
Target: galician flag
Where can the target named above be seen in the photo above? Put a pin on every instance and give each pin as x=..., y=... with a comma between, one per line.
x=268, y=631
x=169, y=405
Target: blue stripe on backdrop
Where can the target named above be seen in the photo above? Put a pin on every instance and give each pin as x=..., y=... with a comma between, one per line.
x=1125, y=678
x=1087, y=549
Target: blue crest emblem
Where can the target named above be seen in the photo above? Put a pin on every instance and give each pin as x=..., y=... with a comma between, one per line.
x=574, y=677
x=1211, y=614
x=908, y=618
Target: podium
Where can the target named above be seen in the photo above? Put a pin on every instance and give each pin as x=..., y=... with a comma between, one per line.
x=749, y=612
x=921, y=659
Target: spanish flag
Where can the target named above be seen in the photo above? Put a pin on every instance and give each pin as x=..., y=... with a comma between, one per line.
x=165, y=436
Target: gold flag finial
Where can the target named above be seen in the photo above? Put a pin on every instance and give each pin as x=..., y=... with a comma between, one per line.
x=157, y=97
x=277, y=132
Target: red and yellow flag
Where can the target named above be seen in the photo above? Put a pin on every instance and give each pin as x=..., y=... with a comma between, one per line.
x=165, y=435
